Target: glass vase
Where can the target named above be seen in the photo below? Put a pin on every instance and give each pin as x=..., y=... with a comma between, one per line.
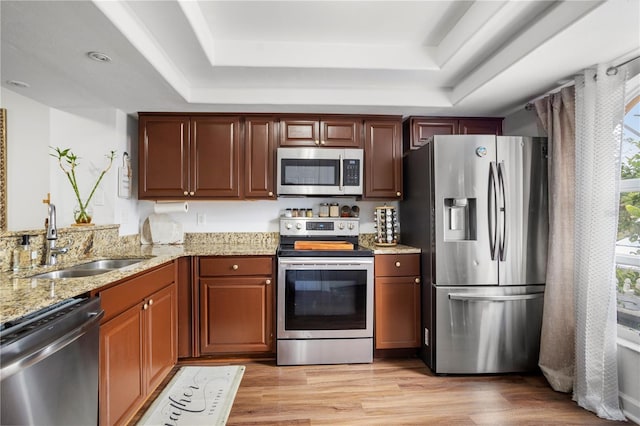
x=82, y=216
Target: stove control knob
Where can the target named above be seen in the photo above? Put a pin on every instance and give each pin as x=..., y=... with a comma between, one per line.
x=288, y=225
x=298, y=226
x=351, y=226
x=341, y=225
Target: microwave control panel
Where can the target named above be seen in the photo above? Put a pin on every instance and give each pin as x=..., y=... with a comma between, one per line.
x=351, y=172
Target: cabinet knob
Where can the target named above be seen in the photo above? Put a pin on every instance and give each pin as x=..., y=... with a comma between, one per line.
x=322, y=142
x=192, y=193
x=398, y=194
x=417, y=280
x=270, y=194
x=150, y=302
x=317, y=142
x=234, y=267
x=145, y=306
x=267, y=282
x=186, y=192
x=397, y=264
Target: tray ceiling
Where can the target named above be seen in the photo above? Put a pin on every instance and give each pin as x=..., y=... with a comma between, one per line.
x=392, y=57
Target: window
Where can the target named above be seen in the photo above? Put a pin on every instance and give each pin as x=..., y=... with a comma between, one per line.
x=628, y=241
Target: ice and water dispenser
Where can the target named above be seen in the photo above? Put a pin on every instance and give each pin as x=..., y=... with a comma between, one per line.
x=460, y=219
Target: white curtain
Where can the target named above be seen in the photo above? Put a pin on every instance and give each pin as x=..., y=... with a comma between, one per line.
x=599, y=114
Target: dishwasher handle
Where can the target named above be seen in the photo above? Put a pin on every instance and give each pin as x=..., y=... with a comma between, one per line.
x=485, y=298
x=50, y=348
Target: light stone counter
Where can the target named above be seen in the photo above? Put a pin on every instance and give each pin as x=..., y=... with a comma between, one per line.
x=21, y=295
x=397, y=249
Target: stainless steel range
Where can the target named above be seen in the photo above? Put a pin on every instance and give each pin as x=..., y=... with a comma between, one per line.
x=325, y=293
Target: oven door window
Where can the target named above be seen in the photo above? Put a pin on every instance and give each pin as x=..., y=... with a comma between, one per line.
x=326, y=300
x=315, y=172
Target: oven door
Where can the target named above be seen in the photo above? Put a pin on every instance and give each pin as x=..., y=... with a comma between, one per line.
x=323, y=298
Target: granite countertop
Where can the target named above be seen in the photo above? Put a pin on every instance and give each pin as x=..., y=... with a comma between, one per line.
x=20, y=294
x=397, y=249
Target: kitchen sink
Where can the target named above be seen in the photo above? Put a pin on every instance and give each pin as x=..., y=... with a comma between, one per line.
x=88, y=269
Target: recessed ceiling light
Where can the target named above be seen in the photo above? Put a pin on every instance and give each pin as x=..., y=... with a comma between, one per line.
x=99, y=56
x=17, y=83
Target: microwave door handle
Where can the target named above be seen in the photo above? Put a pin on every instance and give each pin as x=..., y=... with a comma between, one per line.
x=340, y=187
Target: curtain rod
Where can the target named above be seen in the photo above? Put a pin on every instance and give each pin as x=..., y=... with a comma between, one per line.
x=612, y=70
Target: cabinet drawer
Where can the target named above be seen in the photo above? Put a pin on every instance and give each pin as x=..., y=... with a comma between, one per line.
x=236, y=266
x=396, y=265
x=121, y=297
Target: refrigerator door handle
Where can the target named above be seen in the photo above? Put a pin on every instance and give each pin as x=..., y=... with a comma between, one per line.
x=492, y=207
x=502, y=183
x=481, y=298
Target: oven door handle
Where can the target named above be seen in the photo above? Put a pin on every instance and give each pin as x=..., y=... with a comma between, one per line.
x=316, y=262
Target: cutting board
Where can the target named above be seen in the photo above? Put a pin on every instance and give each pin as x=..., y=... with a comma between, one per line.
x=322, y=245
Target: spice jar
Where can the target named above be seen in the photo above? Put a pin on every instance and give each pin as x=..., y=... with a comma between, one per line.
x=324, y=210
x=287, y=213
x=334, y=210
x=294, y=212
x=309, y=212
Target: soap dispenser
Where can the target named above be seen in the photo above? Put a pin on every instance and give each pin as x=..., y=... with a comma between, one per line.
x=22, y=255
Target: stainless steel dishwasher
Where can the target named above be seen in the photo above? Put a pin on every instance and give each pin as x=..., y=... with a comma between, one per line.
x=49, y=365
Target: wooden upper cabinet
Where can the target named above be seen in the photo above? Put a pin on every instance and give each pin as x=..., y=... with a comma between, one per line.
x=163, y=160
x=383, y=159
x=480, y=126
x=424, y=129
x=259, y=163
x=215, y=156
x=184, y=157
x=418, y=130
x=329, y=132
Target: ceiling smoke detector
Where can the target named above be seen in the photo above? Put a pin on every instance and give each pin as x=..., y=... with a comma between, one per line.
x=99, y=56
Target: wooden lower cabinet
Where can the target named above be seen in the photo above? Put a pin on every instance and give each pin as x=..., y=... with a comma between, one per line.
x=397, y=301
x=138, y=342
x=236, y=305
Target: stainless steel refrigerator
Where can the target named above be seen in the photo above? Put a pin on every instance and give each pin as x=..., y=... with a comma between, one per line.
x=477, y=206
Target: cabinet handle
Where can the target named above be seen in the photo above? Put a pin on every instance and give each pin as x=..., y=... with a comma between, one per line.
x=150, y=302
x=145, y=306
x=398, y=194
x=417, y=280
x=322, y=142
x=193, y=193
x=186, y=192
x=317, y=142
x=267, y=282
x=270, y=194
x=397, y=264
x=234, y=267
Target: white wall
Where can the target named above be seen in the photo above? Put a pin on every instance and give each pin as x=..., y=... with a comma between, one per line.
x=256, y=216
x=28, y=160
x=522, y=123
x=32, y=128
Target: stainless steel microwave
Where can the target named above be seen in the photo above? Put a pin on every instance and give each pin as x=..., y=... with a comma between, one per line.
x=320, y=171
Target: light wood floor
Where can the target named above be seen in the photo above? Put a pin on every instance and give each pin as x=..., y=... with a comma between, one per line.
x=395, y=392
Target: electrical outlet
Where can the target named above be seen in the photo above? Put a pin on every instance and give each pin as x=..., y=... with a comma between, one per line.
x=201, y=218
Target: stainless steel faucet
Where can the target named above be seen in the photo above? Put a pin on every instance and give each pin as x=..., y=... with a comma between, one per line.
x=52, y=236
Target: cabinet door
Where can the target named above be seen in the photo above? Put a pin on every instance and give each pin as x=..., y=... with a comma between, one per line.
x=236, y=315
x=480, y=126
x=397, y=312
x=259, y=164
x=340, y=133
x=215, y=157
x=296, y=132
x=163, y=157
x=383, y=160
x=121, y=364
x=160, y=335
x=423, y=129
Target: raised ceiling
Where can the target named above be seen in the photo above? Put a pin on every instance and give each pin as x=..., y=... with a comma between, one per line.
x=394, y=57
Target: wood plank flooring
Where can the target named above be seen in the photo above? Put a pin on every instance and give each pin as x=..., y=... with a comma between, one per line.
x=396, y=392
